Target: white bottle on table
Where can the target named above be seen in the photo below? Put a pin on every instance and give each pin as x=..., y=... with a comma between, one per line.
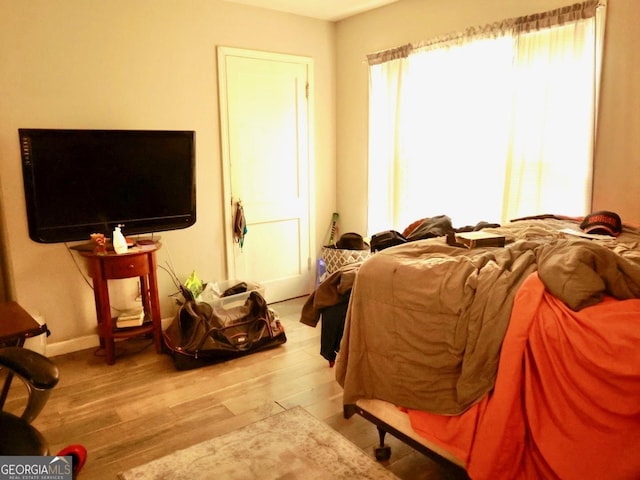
x=119, y=242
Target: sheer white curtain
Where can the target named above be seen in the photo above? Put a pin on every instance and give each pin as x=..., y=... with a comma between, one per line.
x=553, y=130
x=384, y=98
x=486, y=125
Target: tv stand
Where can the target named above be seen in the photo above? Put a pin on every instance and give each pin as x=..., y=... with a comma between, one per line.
x=111, y=266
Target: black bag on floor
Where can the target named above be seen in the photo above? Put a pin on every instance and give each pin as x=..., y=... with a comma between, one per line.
x=201, y=334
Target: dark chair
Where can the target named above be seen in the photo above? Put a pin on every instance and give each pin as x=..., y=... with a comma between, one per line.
x=18, y=437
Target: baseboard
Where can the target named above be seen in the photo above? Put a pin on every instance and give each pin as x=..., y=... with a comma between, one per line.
x=73, y=345
x=82, y=343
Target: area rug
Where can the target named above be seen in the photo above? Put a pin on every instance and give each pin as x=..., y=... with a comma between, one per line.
x=292, y=445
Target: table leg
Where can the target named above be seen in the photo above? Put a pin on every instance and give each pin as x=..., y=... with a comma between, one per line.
x=105, y=323
x=155, y=303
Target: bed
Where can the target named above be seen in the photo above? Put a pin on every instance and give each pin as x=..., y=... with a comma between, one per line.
x=512, y=362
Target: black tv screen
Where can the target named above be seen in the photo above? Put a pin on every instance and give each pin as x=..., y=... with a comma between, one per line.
x=79, y=182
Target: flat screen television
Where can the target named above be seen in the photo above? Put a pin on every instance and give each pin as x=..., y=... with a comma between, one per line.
x=79, y=182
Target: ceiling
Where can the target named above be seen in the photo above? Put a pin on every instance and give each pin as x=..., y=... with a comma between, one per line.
x=331, y=10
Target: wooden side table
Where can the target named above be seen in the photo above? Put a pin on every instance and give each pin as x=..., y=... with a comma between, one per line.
x=16, y=325
x=137, y=262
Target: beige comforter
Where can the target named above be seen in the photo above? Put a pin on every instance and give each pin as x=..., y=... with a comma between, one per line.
x=426, y=320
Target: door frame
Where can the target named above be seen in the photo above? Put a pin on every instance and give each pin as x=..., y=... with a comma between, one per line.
x=222, y=53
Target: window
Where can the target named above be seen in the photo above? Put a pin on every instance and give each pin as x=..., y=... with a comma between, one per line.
x=492, y=124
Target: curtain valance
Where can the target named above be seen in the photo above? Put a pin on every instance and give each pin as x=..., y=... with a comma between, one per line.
x=528, y=23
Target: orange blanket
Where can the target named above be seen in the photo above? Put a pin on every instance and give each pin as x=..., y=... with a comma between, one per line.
x=566, y=402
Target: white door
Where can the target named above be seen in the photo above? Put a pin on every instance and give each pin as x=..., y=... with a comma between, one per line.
x=265, y=116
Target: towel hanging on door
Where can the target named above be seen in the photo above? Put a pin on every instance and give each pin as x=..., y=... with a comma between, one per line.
x=239, y=224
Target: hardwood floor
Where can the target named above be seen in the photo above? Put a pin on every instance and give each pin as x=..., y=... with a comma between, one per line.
x=142, y=408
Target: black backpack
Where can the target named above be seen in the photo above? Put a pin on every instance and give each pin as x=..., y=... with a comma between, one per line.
x=386, y=239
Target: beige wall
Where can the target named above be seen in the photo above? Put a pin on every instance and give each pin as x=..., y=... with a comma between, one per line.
x=147, y=64
x=617, y=165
